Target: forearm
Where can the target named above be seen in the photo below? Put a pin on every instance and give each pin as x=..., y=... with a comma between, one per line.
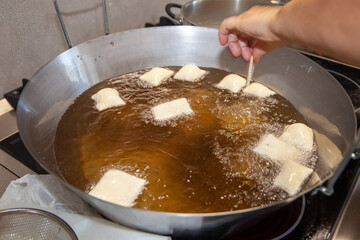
x=331, y=27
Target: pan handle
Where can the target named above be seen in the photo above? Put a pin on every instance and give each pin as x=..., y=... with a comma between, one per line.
x=56, y=5
x=353, y=154
x=168, y=8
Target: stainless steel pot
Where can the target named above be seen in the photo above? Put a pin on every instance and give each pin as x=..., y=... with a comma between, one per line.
x=210, y=13
x=311, y=89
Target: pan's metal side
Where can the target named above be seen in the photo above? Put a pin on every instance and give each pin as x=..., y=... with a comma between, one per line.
x=212, y=225
x=53, y=88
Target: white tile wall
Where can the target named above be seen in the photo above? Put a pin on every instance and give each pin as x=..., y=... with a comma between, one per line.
x=31, y=34
x=5, y=107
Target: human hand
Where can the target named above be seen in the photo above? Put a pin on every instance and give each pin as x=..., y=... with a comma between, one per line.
x=251, y=33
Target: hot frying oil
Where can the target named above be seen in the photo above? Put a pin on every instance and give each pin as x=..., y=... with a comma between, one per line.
x=201, y=162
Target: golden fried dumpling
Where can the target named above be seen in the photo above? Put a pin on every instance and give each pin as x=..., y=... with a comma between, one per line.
x=291, y=177
x=258, y=90
x=118, y=187
x=232, y=82
x=171, y=109
x=107, y=98
x=190, y=73
x=156, y=76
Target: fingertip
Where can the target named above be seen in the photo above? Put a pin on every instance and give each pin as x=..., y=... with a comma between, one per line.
x=235, y=49
x=223, y=39
x=246, y=54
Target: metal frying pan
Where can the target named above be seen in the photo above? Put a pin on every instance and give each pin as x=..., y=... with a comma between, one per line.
x=311, y=89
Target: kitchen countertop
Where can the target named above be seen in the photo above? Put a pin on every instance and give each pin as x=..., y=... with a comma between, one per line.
x=10, y=169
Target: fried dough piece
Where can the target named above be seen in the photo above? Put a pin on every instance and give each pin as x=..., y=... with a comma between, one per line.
x=118, y=187
x=190, y=73
x=292, y=176
x=232, y=82
x=107, y=98
x=276, y=150
x=171, y=109
x=156, y=76
x=299, y=135
x=258, y=90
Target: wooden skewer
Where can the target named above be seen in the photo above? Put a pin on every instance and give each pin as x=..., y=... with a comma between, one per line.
x=251, y=69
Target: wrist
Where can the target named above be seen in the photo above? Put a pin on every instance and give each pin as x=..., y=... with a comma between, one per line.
x=277, y=25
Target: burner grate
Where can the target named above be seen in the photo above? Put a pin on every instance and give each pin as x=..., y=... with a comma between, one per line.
x=14, y=146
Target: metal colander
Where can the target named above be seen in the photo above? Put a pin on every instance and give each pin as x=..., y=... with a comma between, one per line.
x=28, y=223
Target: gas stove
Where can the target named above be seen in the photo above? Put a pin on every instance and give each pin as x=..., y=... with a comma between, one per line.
x=314, y=216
